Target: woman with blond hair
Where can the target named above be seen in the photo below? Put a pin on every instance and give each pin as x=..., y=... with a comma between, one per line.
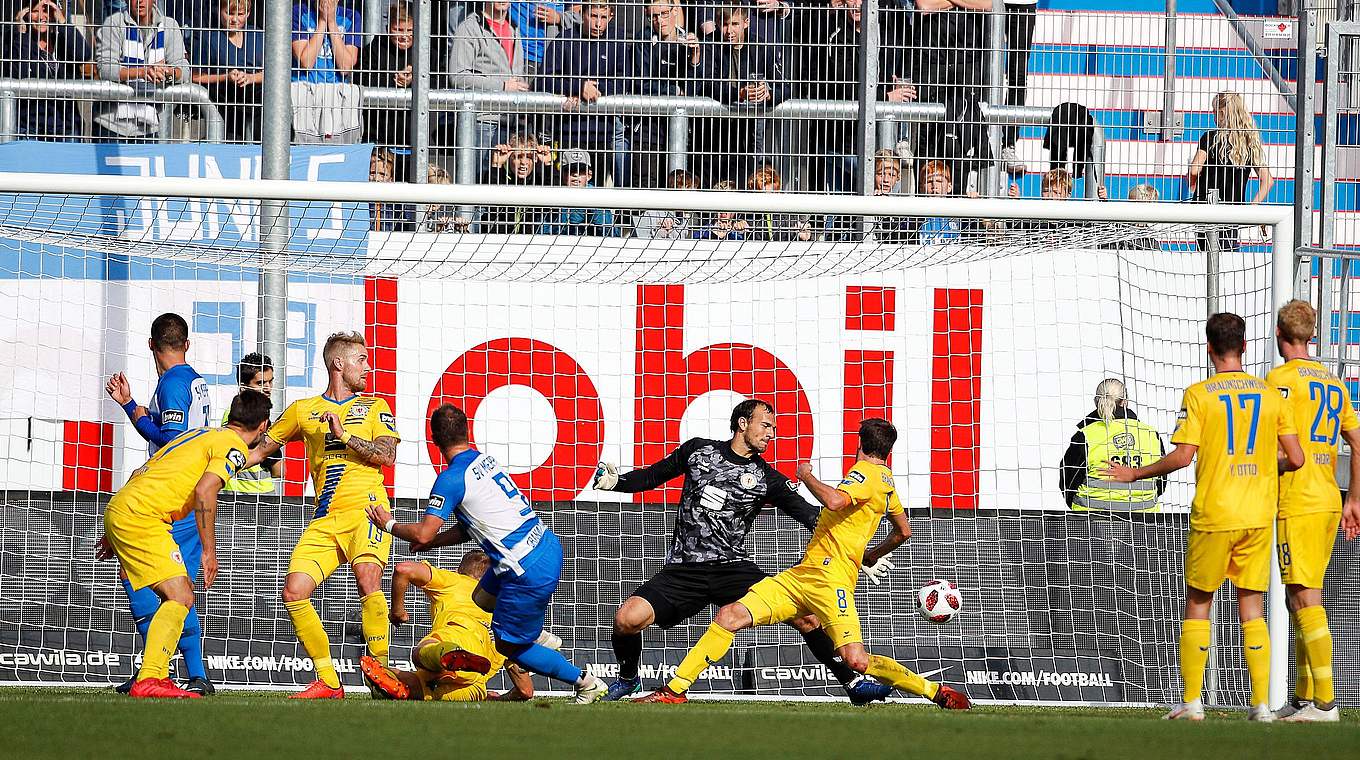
x=1225, y=159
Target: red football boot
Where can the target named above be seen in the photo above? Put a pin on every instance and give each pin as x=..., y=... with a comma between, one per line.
x=383, y=679
x=664, y=696
x=951, y=699
x=319, y=690
x=461, y=660
x=160, y=688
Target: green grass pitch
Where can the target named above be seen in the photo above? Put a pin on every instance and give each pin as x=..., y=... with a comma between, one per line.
x=88, y=723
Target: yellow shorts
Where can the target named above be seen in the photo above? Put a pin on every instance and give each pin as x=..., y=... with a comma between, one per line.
x=345, y=536
x=145, y=548
x=434, y=691
x=802, y=591
x=1304, y=544
x=1241, y=556
x=461, y=687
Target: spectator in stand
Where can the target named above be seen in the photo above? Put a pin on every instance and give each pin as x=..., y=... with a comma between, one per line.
x=667, y=225
x=772, y=226
x=384, y=216
x=522, y=162
x=588, y=222
x=667, y=60
x=1020, y=17
x=1226, y=157
x=229, y=61
x=42, y=45
x=326, y=102
x=143, y=48
x=326, y=41
x=386, y=62
x=538, y=24
x=948, y=65
x=747, y=77
x=586, y=64
x=770, y=19
x=438, y=217
x=937, y=179
x=834, y=41
x=723, y=225
x=1147, y=241
x=488, y=54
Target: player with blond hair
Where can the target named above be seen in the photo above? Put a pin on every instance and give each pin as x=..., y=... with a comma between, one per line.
x=1234, y=426
x=1310, y=505
x=350, y=437
x=457, y=657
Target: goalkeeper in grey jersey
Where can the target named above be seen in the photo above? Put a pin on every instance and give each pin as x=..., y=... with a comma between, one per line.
x=727, y=484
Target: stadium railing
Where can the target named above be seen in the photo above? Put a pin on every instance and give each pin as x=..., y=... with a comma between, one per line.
x=188, y=94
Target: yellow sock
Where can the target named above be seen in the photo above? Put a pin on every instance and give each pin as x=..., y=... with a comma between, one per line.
x=162, y=638
x=313, y=636
x=1317, y=642
x=375, y=625
x=1303, y=680
x=1256, y=646
x=893, y=673
x=428, y=656
x=1194, y=655
x=710, y=650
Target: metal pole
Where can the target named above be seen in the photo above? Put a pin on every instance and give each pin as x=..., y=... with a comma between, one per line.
x=275, y=148
x=1169, y=73
x=677, y=140
x=9, y=117
x=420, y=104
x=996, y=91
x=1211, y=298
x=1324, y=227
x=1212, y=264
x=373, y=25
x=465, y=170
x=1282, y=264
x=1304, y=136
x=1095, y=171
x=868, y=97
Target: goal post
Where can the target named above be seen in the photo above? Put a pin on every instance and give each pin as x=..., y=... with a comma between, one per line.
x=984, y=348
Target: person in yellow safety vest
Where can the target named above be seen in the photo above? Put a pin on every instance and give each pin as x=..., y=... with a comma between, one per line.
x=1111, y=432
x=256, y=373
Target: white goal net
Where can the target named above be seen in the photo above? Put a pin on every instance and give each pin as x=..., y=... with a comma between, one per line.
x=570, y=337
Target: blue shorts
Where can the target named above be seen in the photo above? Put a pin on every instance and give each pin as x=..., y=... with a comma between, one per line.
x=185, y=533
x=522, y=600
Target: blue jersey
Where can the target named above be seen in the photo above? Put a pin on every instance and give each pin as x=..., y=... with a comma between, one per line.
x=476, y=492
x=180, y=403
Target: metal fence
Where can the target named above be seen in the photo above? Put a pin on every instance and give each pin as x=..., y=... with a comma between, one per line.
x=746, y=94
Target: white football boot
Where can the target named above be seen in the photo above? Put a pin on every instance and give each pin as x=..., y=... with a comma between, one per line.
x=591, y=691
x=1311, y=713
x=1186, y=711
x=1261, y=714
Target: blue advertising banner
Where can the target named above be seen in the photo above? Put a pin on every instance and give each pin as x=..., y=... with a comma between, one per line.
x=48, y=223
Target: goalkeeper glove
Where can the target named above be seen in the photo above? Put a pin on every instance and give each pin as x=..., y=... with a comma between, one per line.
x=878, y=571
x=606, y=476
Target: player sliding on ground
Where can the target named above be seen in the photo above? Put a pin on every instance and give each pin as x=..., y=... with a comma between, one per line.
x=1310, y=506
x=179, y=403
x=1234, y=426
x=457, y=657
x=823, y=584
x=727, y=484
x=350, y=437
x=182, y=478
x=527, y=557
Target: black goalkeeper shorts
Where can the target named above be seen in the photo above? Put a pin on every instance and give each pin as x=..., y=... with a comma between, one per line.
x=681, y=591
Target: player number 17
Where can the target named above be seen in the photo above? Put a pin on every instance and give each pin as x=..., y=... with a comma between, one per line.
x=1242, y=401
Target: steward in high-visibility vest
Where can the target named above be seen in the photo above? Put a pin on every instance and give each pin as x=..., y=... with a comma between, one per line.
x=1111, y=431
x=255, y=373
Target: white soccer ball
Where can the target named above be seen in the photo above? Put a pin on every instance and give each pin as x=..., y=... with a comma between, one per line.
x=939, y=601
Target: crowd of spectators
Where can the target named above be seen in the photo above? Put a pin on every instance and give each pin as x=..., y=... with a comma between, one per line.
x=748, y=55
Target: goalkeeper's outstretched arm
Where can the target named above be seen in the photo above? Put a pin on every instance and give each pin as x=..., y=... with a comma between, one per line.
x=607, y=477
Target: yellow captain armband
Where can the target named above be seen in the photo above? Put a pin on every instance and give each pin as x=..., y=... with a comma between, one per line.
x=345, y=436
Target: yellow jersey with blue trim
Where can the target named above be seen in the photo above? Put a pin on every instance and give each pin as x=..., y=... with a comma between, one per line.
x=164, y=487
x=1321, y=410
x=838, y=542
x=341, y=479
x=1236, y=420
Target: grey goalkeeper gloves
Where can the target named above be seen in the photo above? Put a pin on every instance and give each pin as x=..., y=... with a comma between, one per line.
x=606, y=476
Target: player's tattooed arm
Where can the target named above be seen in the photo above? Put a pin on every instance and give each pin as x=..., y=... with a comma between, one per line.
x=267, y=447
x=379, y=452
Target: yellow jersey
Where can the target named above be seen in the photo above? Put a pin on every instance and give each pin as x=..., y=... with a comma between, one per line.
x=342, y=481
x=164, y=487
x=838, y=542
x=1235, y=419
x=1320, y=409
x=451, y=604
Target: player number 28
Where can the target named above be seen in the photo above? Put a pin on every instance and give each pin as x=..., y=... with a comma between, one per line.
x=1328, y=415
